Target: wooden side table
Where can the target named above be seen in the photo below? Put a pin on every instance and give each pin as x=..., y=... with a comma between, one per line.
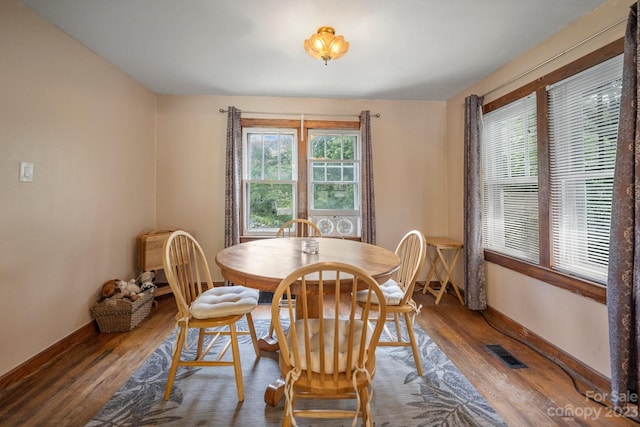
x=436, y=246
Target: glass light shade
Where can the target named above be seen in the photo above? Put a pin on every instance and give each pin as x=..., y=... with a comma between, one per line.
x=326, y=45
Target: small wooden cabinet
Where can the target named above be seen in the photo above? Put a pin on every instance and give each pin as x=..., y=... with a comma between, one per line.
x=150, y=254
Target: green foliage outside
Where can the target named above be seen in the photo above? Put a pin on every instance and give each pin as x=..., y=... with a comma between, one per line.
x=334, y=180
x=271, y=205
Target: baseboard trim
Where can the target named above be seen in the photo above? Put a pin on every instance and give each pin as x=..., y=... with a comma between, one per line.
x=581, y=372
x=38, y=361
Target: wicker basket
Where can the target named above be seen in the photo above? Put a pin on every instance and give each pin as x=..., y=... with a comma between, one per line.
x=120, y=315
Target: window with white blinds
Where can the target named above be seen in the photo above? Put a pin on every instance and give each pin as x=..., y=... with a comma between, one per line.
x=510, y=178
x=583, y=128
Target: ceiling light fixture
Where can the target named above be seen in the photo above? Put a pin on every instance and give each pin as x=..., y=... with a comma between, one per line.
x=326, y=45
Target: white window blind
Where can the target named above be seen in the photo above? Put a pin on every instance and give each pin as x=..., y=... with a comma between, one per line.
x=510, y=175
x=583, y=129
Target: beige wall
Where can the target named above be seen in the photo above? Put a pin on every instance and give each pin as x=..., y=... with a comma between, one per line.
x=90, y=132
x=573, y=323
x=408, y=150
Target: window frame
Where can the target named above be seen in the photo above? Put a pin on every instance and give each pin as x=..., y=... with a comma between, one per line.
x=301, y=127
x=543, y=271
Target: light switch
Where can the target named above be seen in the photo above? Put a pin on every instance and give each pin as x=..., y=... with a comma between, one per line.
x=26, y=171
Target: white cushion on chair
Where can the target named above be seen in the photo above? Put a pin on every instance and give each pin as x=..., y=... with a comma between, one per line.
x=393, y=293
x=224, y=301
x=328, y=342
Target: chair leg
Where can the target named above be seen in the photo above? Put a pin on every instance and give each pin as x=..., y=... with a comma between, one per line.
x=414, y=343
x=237, y=366
x=396, y=319
x=367, y=419
x=200, y=343
x=288, y=421
x=175, y=361
x=252, y=332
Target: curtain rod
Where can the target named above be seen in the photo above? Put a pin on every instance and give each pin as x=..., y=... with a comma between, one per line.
x=564, y=52
x=298, y=114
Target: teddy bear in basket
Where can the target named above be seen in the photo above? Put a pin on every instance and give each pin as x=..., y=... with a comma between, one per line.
x=116, y=288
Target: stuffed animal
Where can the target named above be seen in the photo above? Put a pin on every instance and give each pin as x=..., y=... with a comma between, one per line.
x=109, y=289
x=129, y=289
x=116, y=288
x=146, y=286
x=146, y=276
x=145, y=280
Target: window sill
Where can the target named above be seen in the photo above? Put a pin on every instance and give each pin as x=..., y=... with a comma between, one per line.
x=578, y=286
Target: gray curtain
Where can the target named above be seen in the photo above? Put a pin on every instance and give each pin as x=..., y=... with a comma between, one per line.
x=474, y=274
x=368, y=204
x=233, y=179
x=624, y=244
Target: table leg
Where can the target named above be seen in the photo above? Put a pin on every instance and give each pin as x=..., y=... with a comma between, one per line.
x=267, y=343
x=432, y=271
x=274, y=392
x=448, y=267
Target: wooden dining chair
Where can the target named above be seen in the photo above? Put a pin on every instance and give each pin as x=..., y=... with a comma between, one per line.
x=328, y=351
x=398, y=293
x=299, y=227
x=214, y=311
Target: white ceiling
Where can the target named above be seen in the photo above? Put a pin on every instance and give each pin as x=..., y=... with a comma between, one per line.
x=399, y=49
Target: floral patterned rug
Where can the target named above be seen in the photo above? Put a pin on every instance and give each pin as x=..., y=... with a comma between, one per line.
x=207, y=396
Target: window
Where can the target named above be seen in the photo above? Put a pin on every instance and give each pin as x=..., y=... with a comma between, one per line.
x=286, y=177
x=334, y=184
x=270, y=178
x=510, y=167
x=583, y=131
x=548, y=161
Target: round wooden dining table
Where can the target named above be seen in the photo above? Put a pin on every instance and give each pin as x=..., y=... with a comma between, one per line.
x=262, y=264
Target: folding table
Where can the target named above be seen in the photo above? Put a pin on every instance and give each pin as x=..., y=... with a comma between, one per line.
x=436, y=248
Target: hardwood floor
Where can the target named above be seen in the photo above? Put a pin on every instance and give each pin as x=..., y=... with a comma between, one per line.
x=73, y=387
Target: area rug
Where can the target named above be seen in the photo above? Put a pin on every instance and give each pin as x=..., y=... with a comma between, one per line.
x=207, y=396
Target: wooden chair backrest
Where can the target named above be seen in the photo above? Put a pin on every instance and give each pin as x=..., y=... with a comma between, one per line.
x=186, y=269
x=333, y=287
x=412, y=251
x=299, y=227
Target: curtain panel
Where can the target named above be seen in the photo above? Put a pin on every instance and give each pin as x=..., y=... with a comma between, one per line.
x=233, y=179
x=624, y=242
x=368, y=205
x=474, y=271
